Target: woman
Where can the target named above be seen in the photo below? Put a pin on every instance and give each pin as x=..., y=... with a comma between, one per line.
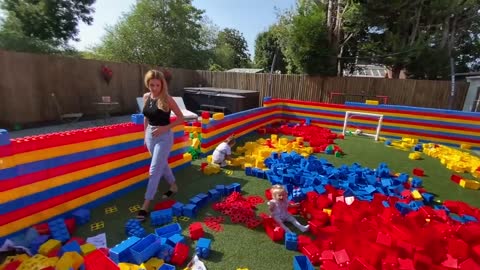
x=158, y=135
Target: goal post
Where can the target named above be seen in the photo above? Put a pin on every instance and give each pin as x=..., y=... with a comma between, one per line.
x=348, y=114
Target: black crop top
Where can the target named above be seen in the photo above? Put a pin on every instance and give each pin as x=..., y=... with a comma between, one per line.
x=155, y=116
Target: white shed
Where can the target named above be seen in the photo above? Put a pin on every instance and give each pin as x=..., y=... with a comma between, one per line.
x=472, y=100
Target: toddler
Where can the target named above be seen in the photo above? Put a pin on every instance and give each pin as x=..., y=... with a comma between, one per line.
x=223, y=152
x=278, y=207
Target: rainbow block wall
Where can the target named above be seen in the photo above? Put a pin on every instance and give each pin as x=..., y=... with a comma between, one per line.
x=242, y=123
x=429, y=125
x=51, y=175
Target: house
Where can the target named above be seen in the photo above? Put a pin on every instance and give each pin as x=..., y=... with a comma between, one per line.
x=246, y=70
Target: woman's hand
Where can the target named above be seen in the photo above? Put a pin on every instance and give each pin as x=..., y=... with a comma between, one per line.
x=159, y=130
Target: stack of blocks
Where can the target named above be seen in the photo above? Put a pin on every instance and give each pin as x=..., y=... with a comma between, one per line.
x=134, y=228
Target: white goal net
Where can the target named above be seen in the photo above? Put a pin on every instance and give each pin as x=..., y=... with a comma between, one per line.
x=349, y=115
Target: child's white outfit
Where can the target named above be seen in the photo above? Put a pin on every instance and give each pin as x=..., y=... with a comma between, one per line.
x=220, y=153
x=280, y=214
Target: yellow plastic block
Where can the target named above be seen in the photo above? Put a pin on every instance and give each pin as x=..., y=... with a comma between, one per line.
x=274, y=138
x=195, y=143
x=209, y=158
x=153, y=264
x=414, y=156
x=299, y=139
x=211, y=169
x=283, y=141
x=206, y=121
x=72, y=258
x=87, y=248
x=218, y=116
x=465, y=146
x=9, y=259
x=371, y=102
x=416, y=195
x=471, y=184
x=327, y=211
x=48, y=246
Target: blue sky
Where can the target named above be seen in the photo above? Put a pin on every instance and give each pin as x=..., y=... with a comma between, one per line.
x=248, y=16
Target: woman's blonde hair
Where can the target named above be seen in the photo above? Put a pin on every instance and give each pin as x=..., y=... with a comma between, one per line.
x=162, y=102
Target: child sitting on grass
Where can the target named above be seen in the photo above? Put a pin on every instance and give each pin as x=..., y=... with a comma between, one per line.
x=223, y=152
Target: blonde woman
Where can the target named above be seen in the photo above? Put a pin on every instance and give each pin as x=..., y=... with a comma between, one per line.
x=158, y=135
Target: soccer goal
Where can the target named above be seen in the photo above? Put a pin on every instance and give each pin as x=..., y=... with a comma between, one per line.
x=349, y=114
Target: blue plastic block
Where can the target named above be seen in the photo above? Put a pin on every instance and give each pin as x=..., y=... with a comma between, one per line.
x=385, y=204
x=403, y=178
x=386, y=182
x=203, y=247
x=457, y=218
x=307, y=189
x=37, y=242
x=235, y=186
x=370, y=189
x=167, y=266
x=260, y=174
x=177, y=209
x=203, y=198
x=307, y=121
x=59, y=230
x=274, y=155
x=320, y=189
x=71, y=246
x=468, y=218
x=388, y=143
x=301, y=262
x=168, y=230
x=249, y=171
x=137, y=119
x=121, y=252
x=134, y=228
x=161, y=217
x=403, y=208
x=214, y=195
x=417, y=182
x=165, y=252
x=441, y=207
x=195, y=200
x=4, y=137
x=82, y=216
x=291, y=241
x=428, y=197
x=175, y=239
x=221, y=189
x=190, y=210
x=146, y=248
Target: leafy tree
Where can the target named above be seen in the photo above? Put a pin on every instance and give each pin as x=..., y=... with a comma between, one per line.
x=231, y=49
x=159, y=32
x=53, y=22
x=266, y=45
x=304, y=40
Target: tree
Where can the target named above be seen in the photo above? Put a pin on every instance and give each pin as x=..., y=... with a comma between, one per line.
x=266, y=45
x=50, y=21
x=231, y=50
x=303, y=38
x=400, y=34
x=159, y=32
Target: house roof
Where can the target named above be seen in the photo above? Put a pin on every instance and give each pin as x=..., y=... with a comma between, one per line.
x=245, y=70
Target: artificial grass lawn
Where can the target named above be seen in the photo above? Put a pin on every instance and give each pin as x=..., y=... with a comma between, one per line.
x=240, y=247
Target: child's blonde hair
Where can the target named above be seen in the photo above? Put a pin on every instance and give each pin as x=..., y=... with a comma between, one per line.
x=277, y=189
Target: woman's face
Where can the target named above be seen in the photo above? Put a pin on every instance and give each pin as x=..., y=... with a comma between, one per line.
x=155, y=86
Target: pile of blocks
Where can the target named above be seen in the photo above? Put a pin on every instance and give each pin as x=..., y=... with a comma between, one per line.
x=162, y=250
x=405, y=144
x=371, y=218
x=454, y=159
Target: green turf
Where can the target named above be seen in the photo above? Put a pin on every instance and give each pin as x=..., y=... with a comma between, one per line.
x=238, y=246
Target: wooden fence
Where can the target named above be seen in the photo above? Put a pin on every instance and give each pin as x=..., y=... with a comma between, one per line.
x=27, y=81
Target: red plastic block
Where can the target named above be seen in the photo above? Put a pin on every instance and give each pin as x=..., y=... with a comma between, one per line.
x=268, y=194
x=384, y=239
x=418, y=172
x=329, y=265
x=359, y=263
x=456, y=178
x=406, y=264
x=450, y=262
x=303, y=240
x=79, y=240
x=164, y=204
x=341, y=257
x=327, y=255
x=469, y=264
x=196, y=230
x=180, y=254
x=98, y=260
x=70, y=223
x=12, y=265
x=458, y=249
x=312, y=252
x=390, y=263
x=422, y=261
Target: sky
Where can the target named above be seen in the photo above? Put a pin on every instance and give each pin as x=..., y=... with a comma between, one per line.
x=250, y=17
